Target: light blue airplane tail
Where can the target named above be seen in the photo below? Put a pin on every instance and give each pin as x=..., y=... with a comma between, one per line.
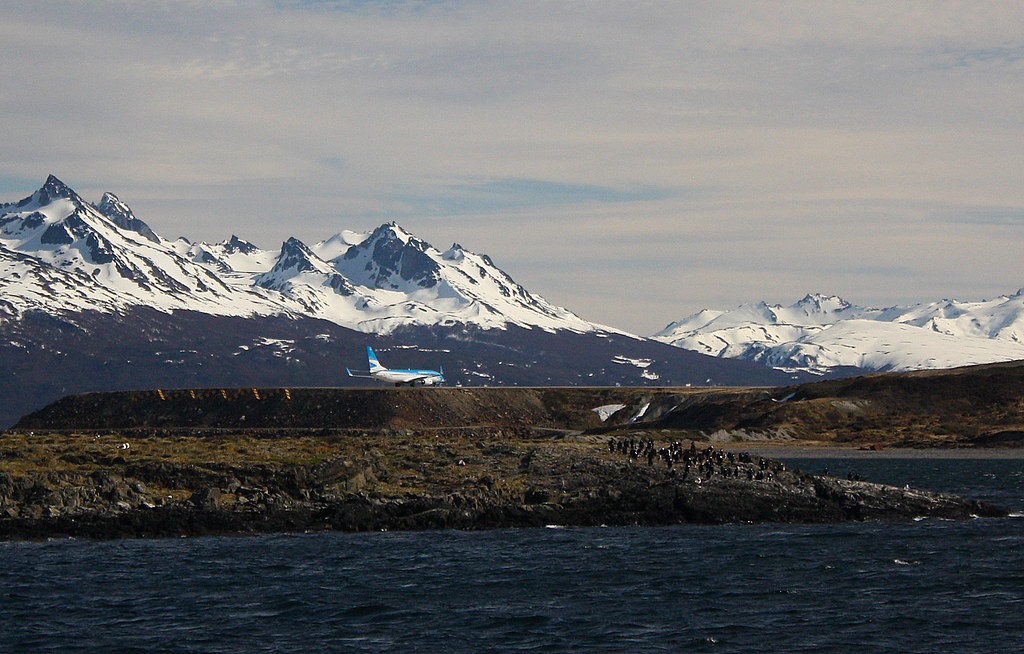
x=374, y=363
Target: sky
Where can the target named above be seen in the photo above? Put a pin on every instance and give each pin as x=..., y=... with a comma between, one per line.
x=632, y=161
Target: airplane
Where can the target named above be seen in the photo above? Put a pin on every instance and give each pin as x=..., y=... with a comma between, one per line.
x=399, y=377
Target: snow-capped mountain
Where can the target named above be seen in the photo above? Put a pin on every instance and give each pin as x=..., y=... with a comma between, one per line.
x=822, y=333
x=59, y=253
x=93, y=299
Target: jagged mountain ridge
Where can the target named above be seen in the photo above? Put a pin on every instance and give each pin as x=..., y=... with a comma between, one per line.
x=92, y=299
x=822, y=333
x=61, y=253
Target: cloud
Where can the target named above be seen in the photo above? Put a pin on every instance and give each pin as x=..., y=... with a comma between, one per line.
x=503, y=195
x=631, y=161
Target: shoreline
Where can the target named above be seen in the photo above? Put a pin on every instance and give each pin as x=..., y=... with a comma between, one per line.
x=84, y=486
x=831, y=451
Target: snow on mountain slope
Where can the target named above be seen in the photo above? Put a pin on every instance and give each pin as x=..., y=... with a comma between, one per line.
x=59, y=253
x=1001, y=318
x=234, y=258
x=338, y=244
x=464, y=287
x=820, y=333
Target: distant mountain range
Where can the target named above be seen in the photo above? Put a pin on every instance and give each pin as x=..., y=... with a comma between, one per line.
x=92, y=298
x=821, y=334
x=60, y=253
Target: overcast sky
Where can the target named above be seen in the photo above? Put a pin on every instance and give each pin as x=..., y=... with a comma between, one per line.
x=631, y=161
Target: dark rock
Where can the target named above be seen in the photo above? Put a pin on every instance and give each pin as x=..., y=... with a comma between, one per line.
x=412, y=481
x=207, y=499
x=536, y=496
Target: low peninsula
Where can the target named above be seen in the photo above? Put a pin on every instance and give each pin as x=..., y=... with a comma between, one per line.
x=189, y=462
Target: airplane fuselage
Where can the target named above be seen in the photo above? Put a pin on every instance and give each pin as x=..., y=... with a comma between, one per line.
x=408, y=377
x=399, y=377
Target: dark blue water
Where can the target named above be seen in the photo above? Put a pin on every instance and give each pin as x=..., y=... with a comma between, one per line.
x=928, y=586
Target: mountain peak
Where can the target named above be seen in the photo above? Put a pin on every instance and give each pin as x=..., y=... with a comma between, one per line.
x=821, y=303
x=54, y=184
x=295, y=254
x=393, y=258
x=121, y=215
x=372, y=282
x=235, y=244
x=298, y=261
x=53, y=189
x=391, y=231
x=296, y=257
x=454, y=253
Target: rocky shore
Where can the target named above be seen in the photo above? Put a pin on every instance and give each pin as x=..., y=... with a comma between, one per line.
x=158, y=483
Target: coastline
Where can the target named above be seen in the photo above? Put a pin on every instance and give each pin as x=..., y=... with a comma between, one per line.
x=790, y=450
x=116, y=486
x=202, y=461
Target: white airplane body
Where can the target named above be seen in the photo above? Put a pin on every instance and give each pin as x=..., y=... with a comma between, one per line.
x=399, y=377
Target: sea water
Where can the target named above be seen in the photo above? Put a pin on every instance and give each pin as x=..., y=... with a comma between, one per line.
x=924, y=586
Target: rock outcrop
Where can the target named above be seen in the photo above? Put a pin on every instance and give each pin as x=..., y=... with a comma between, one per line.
x=174, y=484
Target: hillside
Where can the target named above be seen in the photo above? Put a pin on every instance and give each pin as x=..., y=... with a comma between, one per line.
x=283, y=409
x=46, y=357
x=976, y=406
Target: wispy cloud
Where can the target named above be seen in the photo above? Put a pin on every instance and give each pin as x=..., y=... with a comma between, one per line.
x=513, y=194
x=972, y=216
x=990, y=57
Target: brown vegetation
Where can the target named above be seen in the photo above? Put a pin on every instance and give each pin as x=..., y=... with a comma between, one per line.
x=193, y=461
x=976, y=406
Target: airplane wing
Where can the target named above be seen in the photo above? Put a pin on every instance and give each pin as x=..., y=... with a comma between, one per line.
x=352, y=374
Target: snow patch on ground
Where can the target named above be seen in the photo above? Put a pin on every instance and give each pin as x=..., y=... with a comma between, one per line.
x=641, y=412
x=639, y=363
x=607, y=411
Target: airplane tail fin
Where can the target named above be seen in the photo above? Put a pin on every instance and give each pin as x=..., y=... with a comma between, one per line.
x=374, y=363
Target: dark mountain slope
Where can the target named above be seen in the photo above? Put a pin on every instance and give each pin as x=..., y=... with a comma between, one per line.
x=46, y=357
